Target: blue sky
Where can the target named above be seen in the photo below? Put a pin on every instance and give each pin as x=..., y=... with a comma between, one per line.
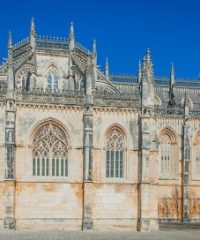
x=123, y=30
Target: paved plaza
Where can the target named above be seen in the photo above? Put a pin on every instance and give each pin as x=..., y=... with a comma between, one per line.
x=170, y=234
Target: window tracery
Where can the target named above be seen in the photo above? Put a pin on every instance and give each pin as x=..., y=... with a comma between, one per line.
x=115, y=154
x=168, y=155
x=50, y=151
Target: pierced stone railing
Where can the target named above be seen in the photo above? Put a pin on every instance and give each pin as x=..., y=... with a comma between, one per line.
x=52, y=43
x=21, y=43
x=45, y=96
x=82, y=48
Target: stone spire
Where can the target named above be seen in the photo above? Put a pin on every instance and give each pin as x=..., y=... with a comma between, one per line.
x=94, y=51
x=10, y=89
x=71, y=37
x=139, y=72
x=107, y=69
x=172, y=102
x=94, y=46
x=147, y=63
x=94, y=63
x=147, y=81
x=172, y=76
x=10, y=46
x=186, y=108
x=33, y=35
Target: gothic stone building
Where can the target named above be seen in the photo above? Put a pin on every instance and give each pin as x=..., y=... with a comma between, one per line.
x=83, y=149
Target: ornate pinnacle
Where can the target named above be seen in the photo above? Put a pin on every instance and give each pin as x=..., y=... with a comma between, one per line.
x=172, y=68
x=94, y=46
x=33, y=31
x=147, y=63
x=148, y=58
x=139, y=71
x=186, y=108
x=107, y=68
x=71, y=37
x=71, y=34
x=9, y=40
x=172, y=76
x=10, y=47
x=148, y=54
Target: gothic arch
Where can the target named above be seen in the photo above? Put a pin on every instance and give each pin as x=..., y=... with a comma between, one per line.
x=170, y=132
x=119, y=128
x=115, y=152
x=42, y=122
x=157, y=101
x=168, y=154
x=50, y=150
x=189, y=103
x=23, y=74
x=50, y=65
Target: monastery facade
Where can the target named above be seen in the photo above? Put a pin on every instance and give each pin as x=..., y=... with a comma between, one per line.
x=84, y=149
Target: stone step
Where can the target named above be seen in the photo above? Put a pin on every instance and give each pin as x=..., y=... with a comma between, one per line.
x=179, y=225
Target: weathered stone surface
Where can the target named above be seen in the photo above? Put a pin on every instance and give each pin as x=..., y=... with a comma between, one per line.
x=80, y=149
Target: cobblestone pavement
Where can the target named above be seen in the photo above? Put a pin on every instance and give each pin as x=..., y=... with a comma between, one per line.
x=189, y=234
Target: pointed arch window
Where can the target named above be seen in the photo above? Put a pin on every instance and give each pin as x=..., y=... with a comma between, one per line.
x=50, y=151
x=52, y=80
x=115, y=154
x=168, y=156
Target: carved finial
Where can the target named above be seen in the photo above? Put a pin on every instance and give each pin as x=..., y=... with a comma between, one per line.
x=71, y=37
x=148, y=58
x=148, y=54
x=147, y=67
x=172, y=76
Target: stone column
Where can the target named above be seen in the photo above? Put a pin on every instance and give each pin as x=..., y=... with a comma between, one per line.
x=87, y=149
x=147, y=189
x=9, y=183
x=186, y=166
x=147, y=176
